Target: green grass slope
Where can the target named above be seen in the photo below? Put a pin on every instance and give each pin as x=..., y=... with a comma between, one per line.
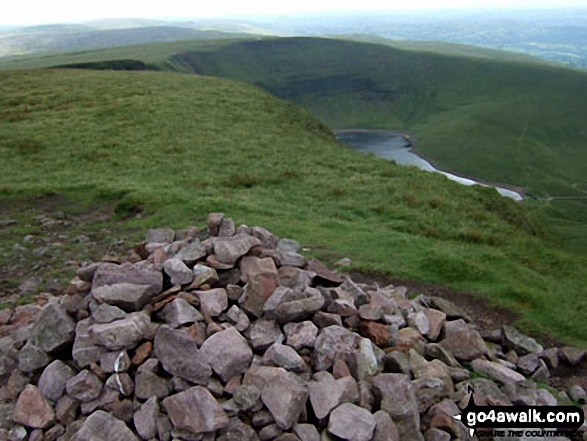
x=178, y=146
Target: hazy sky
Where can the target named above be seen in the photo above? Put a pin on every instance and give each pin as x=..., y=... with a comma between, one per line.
x=56, y=11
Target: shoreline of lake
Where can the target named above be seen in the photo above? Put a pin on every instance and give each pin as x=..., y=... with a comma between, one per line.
x=511, y=191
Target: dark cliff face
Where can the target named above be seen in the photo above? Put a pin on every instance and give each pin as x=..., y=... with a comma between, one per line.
x=109, y=65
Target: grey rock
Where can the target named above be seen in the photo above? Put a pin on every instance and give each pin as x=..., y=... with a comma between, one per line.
x=285, y=396
x=270, y=432
x=127, y=296
x=239, y=318
x=264, y=333
x=528, y=364
x=370, y=312
x=215, y=222
x=53, y=380
x=54, y=432
x=110, y=274
x=213, y=302
x=542, y=373
x=463, y=341
x=351, y=422
x=17, y=433
x=53, y=330
x=246, y=397
x=228, y=353
x=306, y=432
x=179, y=312
x=121, y=383
x=108, y=397
x=419, y=322
x=66, y=410
x=545, y=398
x=118, y=361
x=300, y=335
x=148, y=383
x=160, y=235
x=292, y=259
x=229, y=249
x=550, y=356
x=178, y=272
x=122, y=334
x=496, y=371
x=430, y=390
x=435, y=351
x=398, y=362
x=101, y=426
x=385, y=428
x=227, y=228
x=195, y=410
x=105, y=313
x=521, y=393
x=522, y=344
x=485, y=391
x=164, y=427
x=301, y=307
x=85, y=351
x=328, y=393
x=294, y=278
x=252, y=266
x=325, y=319
x=399, y=400
x=571, y=356
x=31, y=358
x=434, y=434
x=452, y=311
x=267, y=239
x=180, y=355
x=32, y=409
x=6, y=411
x=288, y=245
x=284, y=356
x=334, y=340
x=84, y=386
x=145, y=419
x=257, y=291
x=204, y=275
x=577, y=394
x=192, y=253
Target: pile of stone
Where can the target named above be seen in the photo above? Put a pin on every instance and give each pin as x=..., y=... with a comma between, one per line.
x=230, y=334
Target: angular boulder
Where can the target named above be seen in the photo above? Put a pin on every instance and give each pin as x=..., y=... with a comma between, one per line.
x=351, y=423
x=32, y=409
x=122, y=334
x=195, y=410
x=229, y=249
x=101, y=426
x=463, y=341
x=180, y=355
x=127, y=296
x=228, y=353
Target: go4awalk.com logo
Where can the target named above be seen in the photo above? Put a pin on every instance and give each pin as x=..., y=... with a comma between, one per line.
x=518, y=421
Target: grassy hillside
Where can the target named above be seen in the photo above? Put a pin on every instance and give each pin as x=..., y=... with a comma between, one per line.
x=174, y=147
x=510, y=121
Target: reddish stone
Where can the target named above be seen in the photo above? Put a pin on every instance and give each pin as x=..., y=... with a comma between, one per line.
x=32, y=409
x=142, y=353
x=376, y=332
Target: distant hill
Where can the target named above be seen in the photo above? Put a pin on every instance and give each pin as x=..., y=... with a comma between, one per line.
x=57, y=38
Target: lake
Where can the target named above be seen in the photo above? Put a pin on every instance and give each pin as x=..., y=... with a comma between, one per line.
x=394, y=147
